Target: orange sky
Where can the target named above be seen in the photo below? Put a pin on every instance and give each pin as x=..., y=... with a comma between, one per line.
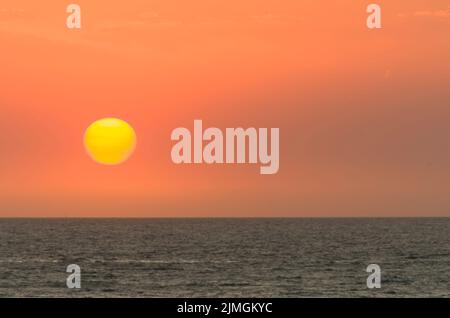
x=364, y=115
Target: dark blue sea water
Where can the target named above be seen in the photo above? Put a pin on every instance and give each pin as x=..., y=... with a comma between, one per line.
x=225, y=257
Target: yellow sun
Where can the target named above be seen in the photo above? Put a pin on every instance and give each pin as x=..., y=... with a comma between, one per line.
x=110, y=141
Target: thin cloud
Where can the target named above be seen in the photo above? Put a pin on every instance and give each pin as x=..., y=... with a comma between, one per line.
x=11, y=13
x=442, y=13
x=48, y=34
x=146, y=19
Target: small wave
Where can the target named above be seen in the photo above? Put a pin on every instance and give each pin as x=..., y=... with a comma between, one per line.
x=28, y=260
x=174, y=261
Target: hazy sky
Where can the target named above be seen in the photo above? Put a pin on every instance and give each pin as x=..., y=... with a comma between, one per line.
x=364, y=115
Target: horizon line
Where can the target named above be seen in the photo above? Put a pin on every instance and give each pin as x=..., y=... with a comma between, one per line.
x=222, y=217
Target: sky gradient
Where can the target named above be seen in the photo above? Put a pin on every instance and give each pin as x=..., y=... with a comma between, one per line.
x=364, y=115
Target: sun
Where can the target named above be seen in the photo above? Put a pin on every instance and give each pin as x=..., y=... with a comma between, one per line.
x=110, y=141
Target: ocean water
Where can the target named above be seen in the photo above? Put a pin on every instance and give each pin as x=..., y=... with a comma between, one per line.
x=225, y=257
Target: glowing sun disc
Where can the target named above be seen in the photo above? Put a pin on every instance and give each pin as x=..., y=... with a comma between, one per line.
x=110, y=141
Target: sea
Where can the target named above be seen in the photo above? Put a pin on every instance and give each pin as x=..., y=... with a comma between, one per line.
x=261, y=257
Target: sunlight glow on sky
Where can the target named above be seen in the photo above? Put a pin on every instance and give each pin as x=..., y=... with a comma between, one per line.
x=364, y=115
